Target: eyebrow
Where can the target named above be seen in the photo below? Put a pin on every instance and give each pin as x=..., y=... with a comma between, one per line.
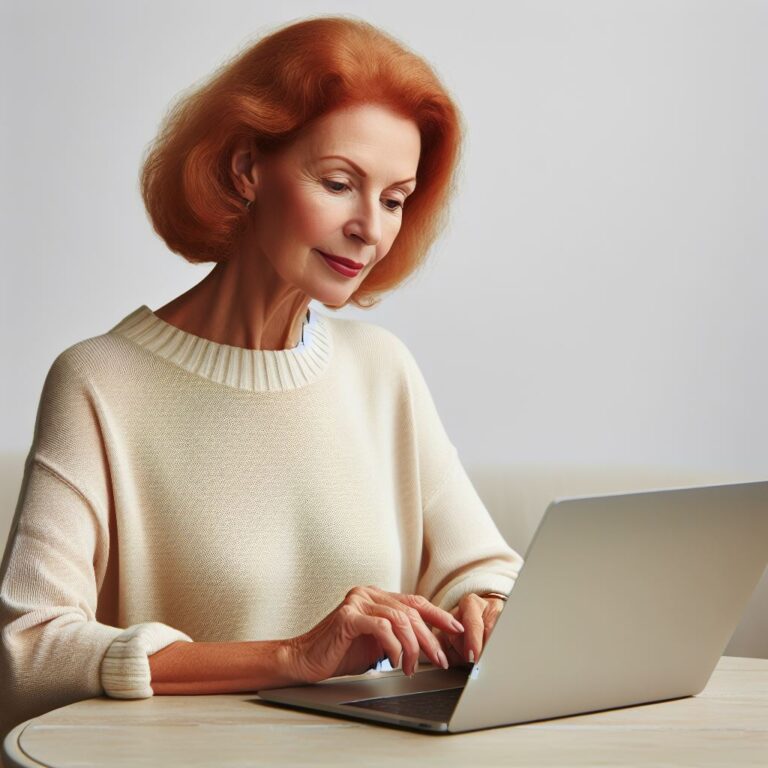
x=358, y=169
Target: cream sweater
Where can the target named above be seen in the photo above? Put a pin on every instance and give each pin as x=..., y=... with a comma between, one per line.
x=181, y=489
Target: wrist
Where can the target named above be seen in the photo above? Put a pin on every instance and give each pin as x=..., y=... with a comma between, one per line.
x=291, y=658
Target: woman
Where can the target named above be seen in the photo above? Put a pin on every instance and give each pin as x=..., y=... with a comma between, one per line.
x=235, y=492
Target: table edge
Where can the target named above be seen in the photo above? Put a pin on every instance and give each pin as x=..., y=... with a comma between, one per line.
x=12, y=754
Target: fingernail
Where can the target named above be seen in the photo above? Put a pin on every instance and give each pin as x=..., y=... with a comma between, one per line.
x=416, y=667
x=457, y=626
x=471, y=656
x=443, y=659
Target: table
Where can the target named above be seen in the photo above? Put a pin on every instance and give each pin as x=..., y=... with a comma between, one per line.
x=725, y=725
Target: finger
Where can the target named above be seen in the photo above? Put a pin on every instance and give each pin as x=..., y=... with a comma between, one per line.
x=364, y=597
x=403, y=630
x=451, y=647
x=490, y=616
x=447, y=641
x=427, y=640
x=456, y=641
x=471, y=609
x=492, y=612
x=424, y=636
x=429, y=612
x=361, y=624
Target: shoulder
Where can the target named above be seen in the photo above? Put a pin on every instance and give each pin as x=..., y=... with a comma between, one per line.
x=96, y=359
x=367, y=341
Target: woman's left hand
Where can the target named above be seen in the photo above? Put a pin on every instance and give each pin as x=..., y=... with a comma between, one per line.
x=478, y=615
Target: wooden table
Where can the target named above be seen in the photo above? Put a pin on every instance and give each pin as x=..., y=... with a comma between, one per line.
x=725, y=725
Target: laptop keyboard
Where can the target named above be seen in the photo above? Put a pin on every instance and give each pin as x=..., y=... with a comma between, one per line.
x=430, y=705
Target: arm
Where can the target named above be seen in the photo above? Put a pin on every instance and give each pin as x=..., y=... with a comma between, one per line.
x=53, y=648
x=463, y=550
x=193, y=668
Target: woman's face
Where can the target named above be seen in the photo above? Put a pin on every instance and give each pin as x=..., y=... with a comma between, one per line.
x=338, y=189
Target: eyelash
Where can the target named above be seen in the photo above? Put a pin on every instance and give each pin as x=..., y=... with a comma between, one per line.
x=389, y=200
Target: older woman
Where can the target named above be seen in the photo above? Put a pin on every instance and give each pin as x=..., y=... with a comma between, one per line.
x=235, y=491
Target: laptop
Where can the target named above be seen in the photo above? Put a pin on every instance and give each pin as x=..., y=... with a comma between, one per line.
x=623, y=599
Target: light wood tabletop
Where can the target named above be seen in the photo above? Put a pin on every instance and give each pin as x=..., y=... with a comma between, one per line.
x=725, y=725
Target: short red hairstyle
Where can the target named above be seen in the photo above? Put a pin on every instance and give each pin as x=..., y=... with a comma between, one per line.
x=267, y=93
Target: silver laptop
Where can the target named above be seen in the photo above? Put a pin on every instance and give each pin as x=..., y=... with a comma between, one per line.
x=623, y=599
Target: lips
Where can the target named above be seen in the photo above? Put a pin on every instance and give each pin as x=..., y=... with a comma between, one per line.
x=346, y=262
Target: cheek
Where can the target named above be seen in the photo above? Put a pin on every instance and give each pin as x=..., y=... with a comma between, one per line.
x=310, y=213
x=389, y=233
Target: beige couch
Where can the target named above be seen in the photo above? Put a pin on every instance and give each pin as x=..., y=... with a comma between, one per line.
x=517, y=497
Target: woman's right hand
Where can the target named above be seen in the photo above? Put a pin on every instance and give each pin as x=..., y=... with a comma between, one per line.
x=367, y=625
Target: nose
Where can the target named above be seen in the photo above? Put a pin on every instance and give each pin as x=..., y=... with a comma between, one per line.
x=365, y=222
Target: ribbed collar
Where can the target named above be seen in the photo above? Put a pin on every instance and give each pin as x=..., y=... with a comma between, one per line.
x=255, y=370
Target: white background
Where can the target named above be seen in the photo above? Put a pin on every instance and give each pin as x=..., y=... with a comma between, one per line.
x=600, y=293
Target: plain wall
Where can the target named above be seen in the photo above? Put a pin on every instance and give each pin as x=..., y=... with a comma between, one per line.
x=599, y=295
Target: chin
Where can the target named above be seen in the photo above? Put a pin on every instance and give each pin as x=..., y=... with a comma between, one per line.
x=336, y=305
x=328, y=298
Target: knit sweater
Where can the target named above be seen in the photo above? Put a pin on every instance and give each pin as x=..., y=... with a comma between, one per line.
x=182, y=489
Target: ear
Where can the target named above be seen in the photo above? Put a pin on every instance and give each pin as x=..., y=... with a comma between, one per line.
x=244, y=169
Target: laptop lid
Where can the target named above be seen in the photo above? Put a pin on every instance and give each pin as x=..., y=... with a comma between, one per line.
x=623, y=599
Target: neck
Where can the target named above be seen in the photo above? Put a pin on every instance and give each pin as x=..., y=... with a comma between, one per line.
x=241, y=304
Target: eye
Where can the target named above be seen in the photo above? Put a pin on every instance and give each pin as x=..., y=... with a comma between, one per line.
x=341, y=186
x=327, y=182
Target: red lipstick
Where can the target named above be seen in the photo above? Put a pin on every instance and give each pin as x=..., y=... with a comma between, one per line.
x=346, y=267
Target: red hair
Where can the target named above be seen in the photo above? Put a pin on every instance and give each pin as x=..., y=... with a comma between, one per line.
x=267, y=93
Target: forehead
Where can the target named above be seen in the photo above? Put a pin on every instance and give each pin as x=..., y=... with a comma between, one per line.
x=371, y=135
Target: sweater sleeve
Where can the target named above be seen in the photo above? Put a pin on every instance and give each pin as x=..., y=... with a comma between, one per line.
x=53, y=650
x=463, y=550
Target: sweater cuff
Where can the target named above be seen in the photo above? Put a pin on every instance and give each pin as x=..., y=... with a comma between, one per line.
x=125, y=672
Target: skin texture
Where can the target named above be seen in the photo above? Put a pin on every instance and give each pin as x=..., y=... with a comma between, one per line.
x=478, y=615
x=353, y=637
x=368, y=625
x=258, y=300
